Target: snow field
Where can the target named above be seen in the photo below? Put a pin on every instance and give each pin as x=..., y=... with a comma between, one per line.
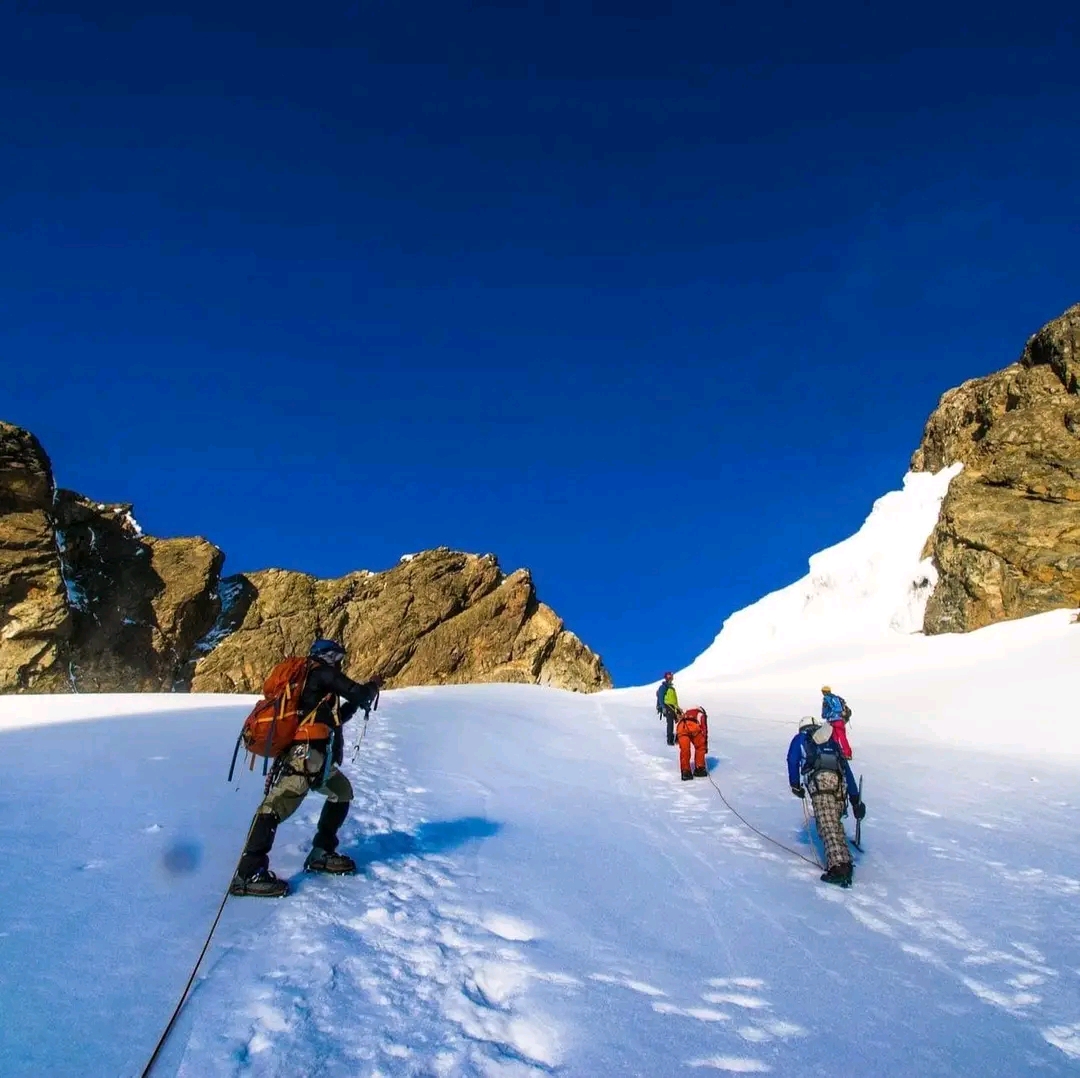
x=540, y=894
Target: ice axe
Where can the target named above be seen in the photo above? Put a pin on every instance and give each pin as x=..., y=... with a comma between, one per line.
x=373, y=706
x=858, y=823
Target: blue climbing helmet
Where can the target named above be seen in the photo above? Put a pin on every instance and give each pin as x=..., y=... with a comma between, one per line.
x=327, y=651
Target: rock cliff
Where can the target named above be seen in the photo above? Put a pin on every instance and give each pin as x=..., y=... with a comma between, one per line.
x=35, y=617
x=441, y=617
x=1007, y=542
x=88, y=603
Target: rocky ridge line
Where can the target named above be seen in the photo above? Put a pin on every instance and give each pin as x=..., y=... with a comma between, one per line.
x=88, y=603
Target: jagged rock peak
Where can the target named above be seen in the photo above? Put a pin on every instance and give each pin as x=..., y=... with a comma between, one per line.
x=439, y=617
x=1007, y=542
x=89, y=603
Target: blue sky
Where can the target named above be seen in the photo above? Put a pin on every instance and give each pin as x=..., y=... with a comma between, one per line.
x=652, y=298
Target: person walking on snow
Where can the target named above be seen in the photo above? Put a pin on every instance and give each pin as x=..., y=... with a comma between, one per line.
x=835, y=712
x=667, y=704
x=306, y=766
x=693, y=729
x=816, y=764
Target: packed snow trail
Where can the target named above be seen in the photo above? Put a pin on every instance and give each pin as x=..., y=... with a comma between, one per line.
x=539, y=894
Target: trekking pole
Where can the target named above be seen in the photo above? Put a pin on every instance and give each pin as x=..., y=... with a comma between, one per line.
x=374, y=706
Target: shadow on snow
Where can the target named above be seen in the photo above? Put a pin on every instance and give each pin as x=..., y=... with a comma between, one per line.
x=437, y=837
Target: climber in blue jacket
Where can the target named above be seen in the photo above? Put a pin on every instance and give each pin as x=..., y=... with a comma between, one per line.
x=816, y=763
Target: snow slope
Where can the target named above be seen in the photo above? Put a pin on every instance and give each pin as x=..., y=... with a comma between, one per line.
x=540, y=894
x=854, y=623
x=865, y=590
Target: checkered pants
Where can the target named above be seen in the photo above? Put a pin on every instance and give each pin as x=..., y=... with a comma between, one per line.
x=828, y=795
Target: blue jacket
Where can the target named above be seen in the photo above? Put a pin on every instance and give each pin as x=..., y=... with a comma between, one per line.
x=832, y=707
x=801, y=753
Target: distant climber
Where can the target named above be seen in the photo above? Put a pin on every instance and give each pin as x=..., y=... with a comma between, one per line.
x=816, y=764
x=667, y=704
x=693, y=729
x=308, y=762
x=834, y=710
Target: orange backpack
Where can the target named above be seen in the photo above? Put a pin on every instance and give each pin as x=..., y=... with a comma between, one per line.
x=275, y=721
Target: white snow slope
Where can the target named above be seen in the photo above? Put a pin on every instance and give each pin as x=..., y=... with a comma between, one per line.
x=540, y=894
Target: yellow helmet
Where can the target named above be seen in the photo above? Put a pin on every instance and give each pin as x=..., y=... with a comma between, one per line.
x=825, y=688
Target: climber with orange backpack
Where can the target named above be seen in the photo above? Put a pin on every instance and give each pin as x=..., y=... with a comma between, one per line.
x=298, y=724
x=693, y=729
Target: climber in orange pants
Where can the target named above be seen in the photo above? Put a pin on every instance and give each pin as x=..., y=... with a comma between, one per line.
x=693, y=729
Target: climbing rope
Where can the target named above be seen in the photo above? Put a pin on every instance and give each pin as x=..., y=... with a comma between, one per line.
x=144, y=1073
x=768, y=838
x=184, y=995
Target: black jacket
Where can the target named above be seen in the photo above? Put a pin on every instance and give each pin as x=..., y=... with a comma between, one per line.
x=324, y=685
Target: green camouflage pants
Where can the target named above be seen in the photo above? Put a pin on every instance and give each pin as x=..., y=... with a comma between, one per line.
x=302, y=772
x=303, y=769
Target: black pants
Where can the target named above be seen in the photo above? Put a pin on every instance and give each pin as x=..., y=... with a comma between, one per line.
x=669, y=714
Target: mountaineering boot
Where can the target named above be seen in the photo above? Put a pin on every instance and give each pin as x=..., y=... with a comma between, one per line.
x=701, y=773
x=684, y=775
x=839, y=875
x=337, y=864
x=263, y=884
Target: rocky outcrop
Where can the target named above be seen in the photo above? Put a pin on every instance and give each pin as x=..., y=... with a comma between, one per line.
x=35, y=619
x=140, y=605
x=1007, y=542
x=439, y=618
x=88, y=603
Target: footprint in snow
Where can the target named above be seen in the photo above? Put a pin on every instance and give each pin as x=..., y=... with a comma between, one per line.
x=401, y=973
x=507, y=927
x=626, y=982
x=732, y=1064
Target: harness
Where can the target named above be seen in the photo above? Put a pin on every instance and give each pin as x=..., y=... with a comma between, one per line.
x=821, y=759
x=283, y=764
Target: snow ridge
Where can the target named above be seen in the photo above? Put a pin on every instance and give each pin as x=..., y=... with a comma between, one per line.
x=874, y=584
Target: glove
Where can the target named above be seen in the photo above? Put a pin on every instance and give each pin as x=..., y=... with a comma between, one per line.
x=858, y=808
x=798, y=791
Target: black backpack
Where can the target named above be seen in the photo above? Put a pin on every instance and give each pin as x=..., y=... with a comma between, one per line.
x=827, y=757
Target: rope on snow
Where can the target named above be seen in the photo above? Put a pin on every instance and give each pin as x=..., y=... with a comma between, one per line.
x=767, y=838
x=145, y=1072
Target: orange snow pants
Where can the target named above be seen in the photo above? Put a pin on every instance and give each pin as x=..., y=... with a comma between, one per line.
x=689, y=732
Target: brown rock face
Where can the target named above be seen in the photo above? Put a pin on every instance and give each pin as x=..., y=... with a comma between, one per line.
x=34, y=617
x=1007, y=542
x=140, y=604
x=89, y=603
x=439, y=618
